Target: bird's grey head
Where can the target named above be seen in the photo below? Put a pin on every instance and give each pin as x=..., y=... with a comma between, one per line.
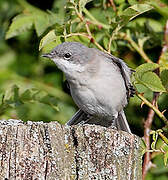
x=70, y=56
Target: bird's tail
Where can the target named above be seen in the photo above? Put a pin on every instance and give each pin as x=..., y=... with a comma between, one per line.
x=81, y=117
x=121, y=122
x=78, y=118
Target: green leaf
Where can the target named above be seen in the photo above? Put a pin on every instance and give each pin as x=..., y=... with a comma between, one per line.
x=145, y=76
x=16, y=97
x=41, y=22
x=50, y=40
x=119, y=1
x=28, y=7
x=152, y=26
x=82, y=3
x=140, y=8
x=154, y=138
x=105, y=42
x=59, y=30
x=165, y=158
x=132, y=2
x=26, y=95
x=160, y=8
x=164, y=146
x=143, y=147
x=164, y=78
x=140, y=70
x=23, y=112
x=163, y=60
x=133, y=11
x=20, y=24
x=153, y=82
x=31, y=16
x=50, y=100
x=61, y=10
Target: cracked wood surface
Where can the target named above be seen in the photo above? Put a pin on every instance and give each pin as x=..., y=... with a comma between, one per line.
x=50, y=151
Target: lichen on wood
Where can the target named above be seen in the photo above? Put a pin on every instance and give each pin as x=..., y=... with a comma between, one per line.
x=50, y=151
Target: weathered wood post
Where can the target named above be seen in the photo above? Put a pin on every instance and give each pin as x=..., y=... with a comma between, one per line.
x=50, y=151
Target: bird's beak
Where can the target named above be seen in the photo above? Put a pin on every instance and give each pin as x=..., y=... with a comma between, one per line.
x=47, y=55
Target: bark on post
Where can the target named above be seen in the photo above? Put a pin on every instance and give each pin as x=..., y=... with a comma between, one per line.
x=50, y=151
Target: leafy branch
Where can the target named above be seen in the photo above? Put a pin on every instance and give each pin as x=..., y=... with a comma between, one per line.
x=154, y=108
x=80, y=16
x=148, y=123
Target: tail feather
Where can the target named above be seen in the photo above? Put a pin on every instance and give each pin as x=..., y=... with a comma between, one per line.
x=80, y=117
x=121, y=122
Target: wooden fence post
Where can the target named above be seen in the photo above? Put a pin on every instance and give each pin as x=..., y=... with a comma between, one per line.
x=50, y=151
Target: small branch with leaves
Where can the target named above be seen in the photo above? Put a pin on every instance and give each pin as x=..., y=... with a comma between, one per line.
x=148, y=122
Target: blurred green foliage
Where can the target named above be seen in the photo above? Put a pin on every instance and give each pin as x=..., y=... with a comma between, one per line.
x=32, y=88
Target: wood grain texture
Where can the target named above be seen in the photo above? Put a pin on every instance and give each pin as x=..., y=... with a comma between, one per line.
x=50, y=151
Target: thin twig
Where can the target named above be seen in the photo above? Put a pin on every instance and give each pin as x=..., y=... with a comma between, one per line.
x=92, y=38
x=99, y=24
x=114, y=33
x=149, y=104
x=88, y=30
x=109, y=44
x=148, y=123
x=84, y=35
x=113, y=5
x=94, y=20
x=77, y=34
x=147, y=127
x=164, y=138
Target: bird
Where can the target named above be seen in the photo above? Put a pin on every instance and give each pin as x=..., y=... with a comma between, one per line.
x=99, y=83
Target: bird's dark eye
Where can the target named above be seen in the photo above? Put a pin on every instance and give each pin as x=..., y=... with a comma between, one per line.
x=67, y=55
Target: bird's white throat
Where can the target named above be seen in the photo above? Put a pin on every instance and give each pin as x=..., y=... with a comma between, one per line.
x=68, y=67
